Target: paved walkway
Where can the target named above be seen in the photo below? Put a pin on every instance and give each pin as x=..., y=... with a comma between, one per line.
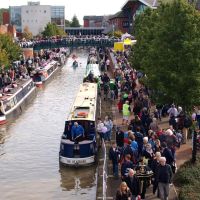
x=183, y=154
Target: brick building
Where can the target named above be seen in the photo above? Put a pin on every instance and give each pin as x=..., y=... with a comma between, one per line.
x=6, y=17
x=124, y=20
x=96, y=21
x=8, y=29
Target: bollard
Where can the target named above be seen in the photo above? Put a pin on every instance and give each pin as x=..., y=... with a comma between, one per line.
x=194, y=145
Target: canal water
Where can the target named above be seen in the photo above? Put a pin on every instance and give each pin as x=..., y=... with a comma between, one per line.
x=29, y=146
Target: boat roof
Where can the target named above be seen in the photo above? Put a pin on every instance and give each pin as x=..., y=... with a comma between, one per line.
x=49, y=65
x=13, y=91
x=84, y=106
x=94, y=69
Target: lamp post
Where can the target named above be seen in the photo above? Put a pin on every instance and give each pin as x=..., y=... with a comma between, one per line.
x=113, y=26
x=130, y=26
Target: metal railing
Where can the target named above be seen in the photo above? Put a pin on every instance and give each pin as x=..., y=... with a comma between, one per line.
x=105, y=170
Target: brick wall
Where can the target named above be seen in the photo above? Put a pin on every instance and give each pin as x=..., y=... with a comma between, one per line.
x=6, y=17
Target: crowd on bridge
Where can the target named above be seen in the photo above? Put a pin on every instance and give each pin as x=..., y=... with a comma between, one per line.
x=144, y=151
x=70, y=40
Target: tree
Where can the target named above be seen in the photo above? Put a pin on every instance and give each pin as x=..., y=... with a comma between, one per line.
x=4, y=60
x=9, y=47
x=27, y=34
x=116, y=33
x=168, y=51
x=51, y=29
x=67, y=23
x=75, y=22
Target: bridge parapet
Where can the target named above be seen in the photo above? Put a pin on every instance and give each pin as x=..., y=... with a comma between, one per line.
x=58, y=43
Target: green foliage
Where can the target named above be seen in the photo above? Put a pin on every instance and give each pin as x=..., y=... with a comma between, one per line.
x=168, y=51
x=75, y=22
x=3, y=58
x=116, y=33
x=9, y=48
x=51, y=29
x=67, y=23
x=187, y=181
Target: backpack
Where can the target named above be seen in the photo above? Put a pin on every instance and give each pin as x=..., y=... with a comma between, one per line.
x=187, y=122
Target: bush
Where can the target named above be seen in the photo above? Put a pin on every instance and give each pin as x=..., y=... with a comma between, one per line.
x=187, y=181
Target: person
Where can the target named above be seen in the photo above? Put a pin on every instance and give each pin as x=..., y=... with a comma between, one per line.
x=119, y=137
x=101, y=130
x=154, y=167
x=109, y=125
x=126, y=165
x=172, y=111
x=126, y=112
x=133, y=183
x=123, y=193
x=114, y=154
x=77, y=132
x=164, y=177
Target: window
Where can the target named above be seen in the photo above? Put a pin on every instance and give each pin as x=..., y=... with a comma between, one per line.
x=27, y=11
x=45, y=11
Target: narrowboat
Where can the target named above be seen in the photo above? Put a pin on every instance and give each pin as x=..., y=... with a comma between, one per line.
x=47, y=69
x=75, y=150
x=42, y=74
x=13, y=96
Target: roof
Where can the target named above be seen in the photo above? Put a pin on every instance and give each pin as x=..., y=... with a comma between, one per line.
x=119, y=14
x=93, y=17
x=85, y=102
x=149, y=3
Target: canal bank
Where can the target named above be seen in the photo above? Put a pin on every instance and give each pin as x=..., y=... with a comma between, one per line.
x=107, y=183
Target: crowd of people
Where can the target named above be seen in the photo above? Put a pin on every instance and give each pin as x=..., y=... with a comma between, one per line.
x=24, y=68
x=142, y=149
x=69, y=39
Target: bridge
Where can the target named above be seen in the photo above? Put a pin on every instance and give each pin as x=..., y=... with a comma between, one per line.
x=69, y=42
x=84, y=30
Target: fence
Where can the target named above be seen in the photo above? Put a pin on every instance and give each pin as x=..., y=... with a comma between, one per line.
x=105, y=170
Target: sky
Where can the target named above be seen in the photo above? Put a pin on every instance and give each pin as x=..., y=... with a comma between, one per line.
x=78, y=7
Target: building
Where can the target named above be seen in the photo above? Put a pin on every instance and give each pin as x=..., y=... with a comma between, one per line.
x=124, y=19
x=95, y=21
x=5, y=17
x=8, y=29
x=36, y=16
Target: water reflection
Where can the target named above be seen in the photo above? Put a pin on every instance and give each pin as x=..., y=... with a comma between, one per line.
x=76, y=179
x=29, y=145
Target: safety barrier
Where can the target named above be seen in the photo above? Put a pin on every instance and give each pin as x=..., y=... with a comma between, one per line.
x=105, y=170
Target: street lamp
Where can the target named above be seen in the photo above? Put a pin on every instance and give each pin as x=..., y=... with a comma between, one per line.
x=113, y=26
x=130, y=26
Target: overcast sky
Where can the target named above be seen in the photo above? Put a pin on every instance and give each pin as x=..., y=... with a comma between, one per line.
x=78, y=7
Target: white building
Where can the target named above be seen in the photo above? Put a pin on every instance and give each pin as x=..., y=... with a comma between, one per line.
x=36, y=16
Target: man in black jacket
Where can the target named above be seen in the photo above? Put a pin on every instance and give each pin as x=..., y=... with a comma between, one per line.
x=114, y=157
x=164, y=177
x=133, y=183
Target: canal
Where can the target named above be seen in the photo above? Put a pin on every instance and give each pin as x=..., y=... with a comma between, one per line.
x=29, y=146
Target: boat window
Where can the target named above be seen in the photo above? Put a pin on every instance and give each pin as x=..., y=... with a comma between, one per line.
x=19, y=96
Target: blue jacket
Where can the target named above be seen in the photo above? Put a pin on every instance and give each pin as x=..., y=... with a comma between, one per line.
x=77, y=131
